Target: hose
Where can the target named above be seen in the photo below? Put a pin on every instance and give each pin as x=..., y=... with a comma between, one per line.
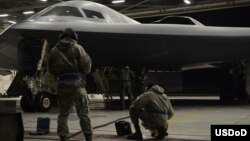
x=99, y=126
x=79, y=132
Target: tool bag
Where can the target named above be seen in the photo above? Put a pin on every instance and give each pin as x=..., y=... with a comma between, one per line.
x=123, y=128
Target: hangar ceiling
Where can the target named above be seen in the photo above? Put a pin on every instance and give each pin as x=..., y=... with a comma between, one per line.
x=132, y=8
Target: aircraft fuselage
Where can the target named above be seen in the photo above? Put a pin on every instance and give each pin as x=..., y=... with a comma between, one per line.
x=145, y=46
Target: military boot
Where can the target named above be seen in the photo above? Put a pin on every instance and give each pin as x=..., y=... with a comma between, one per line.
x=162, y=132
x=135, y=136
x=89, y=137
x=154, y=132
x=62, y=138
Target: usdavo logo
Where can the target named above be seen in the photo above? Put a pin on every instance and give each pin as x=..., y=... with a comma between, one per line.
x=230, y=132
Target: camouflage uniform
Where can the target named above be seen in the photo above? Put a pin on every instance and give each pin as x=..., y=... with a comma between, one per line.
x=153, y=108
x=98, y=81
x=127, y=76
x=140, y=81
x=70, y=63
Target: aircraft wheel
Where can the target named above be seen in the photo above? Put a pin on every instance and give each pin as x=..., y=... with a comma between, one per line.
x=43, y=102
x=27, y=103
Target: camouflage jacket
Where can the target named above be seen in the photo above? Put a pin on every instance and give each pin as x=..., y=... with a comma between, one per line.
x=68, y=57
x=155, y=101
x=127, y=75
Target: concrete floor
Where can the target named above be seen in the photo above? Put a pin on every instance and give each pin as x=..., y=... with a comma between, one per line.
x=192, y=121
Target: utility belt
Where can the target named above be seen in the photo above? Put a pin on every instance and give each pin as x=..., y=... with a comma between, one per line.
x=70, y=77
x=158, y=112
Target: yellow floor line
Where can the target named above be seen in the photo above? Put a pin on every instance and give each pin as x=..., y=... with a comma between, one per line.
x=191, y=114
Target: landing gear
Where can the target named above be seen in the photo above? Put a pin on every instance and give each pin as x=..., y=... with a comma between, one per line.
x=38, y=84
x=27, y=104
x=43, y=102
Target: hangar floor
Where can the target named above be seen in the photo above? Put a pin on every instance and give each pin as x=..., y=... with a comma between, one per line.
x=192, y=120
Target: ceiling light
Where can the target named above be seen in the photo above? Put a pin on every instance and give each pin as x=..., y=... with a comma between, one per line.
x=118, y=1
x=51, y=20
x=43, y=0
x=28, y=12
x=13, y=22
x=4, y=15
x=187, y=1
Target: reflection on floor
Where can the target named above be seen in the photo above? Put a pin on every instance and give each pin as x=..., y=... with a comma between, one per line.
x=192, y=120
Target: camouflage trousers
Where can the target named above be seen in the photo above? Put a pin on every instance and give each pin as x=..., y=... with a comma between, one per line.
x=70, y=92
x=126, y=89
x=149, y=120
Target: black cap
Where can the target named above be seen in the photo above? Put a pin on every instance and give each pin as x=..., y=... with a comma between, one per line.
x=70, y=33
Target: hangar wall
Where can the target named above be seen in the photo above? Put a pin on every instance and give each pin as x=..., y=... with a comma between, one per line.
x=231, y=17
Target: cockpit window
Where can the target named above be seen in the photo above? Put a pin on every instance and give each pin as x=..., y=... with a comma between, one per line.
x=63, y=11
x=93, y=14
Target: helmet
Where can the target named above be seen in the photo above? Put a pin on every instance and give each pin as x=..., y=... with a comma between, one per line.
x=69, y=32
